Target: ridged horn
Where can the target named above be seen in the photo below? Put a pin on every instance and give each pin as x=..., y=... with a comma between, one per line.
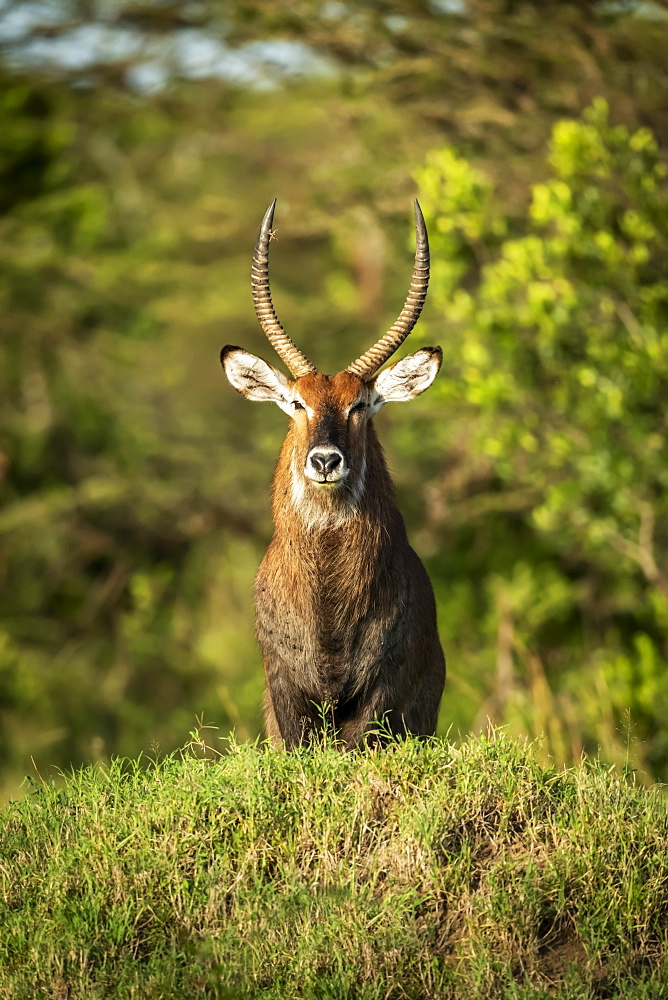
x=286, y=350
x=377, y=355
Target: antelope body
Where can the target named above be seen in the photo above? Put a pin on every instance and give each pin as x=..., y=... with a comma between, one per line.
x=346, y=617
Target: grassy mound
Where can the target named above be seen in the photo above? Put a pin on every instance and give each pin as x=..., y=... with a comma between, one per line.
x=417, y=872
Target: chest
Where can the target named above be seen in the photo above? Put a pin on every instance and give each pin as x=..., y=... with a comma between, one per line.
x=333, y=620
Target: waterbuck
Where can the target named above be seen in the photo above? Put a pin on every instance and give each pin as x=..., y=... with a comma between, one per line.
x=346, y=618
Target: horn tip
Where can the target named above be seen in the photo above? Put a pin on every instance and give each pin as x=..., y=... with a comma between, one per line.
x=418, y=211
x=268, y=217
x=420, y=224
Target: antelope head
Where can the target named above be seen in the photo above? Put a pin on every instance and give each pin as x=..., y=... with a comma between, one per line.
x=327, y=443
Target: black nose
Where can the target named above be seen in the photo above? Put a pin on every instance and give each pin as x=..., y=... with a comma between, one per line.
x=325, y=462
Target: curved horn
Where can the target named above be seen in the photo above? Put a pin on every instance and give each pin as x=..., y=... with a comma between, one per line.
x=377, y=355
x=286, y=350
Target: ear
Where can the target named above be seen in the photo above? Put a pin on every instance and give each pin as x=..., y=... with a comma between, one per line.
x=409, y=377
x=255, y=378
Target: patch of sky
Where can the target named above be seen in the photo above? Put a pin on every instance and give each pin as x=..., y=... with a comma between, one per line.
x=333, y=10
x=396, y=22
x=257, y=64
x=647, y=10
x=16, y=21
x=448, y=6
x=80, y=48
x=185, y=52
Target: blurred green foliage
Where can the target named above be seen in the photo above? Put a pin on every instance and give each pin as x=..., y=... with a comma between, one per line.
x=559, y=378
x=133, y=481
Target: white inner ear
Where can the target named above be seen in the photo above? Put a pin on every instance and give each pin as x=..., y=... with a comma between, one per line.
x=258, y=380
x=407, y=378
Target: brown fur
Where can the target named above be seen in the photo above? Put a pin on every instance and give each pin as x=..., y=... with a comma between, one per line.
x=346, y=616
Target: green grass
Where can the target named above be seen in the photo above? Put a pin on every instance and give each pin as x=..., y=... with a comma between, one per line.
x=417, y=872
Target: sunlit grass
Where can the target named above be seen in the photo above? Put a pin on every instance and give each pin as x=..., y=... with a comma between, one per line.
x=423, y=871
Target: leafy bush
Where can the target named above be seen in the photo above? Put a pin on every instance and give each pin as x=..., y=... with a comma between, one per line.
x=556, y=381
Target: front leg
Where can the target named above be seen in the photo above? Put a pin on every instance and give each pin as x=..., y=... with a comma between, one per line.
x=289, y=714
x=374, y=721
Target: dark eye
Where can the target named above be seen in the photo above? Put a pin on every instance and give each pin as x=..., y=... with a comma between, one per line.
x=357, y=407
x=297, y=405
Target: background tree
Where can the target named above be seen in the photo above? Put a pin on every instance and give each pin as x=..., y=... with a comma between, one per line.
x=557, y=380
x=139, y=146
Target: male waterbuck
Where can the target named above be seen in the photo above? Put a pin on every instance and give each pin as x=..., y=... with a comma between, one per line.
x=345, y=611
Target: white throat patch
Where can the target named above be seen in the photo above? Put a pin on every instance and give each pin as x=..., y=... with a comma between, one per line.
x=321, y=508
